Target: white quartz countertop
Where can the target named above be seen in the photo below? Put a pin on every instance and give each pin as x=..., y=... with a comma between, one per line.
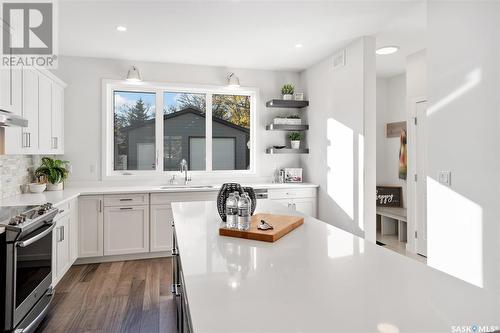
x=57, y=197
x=318, y=278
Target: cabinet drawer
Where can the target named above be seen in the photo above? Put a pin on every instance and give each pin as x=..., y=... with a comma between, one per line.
x=64, y=209
x=166, y=198
x=291, y=193
x=111, y=200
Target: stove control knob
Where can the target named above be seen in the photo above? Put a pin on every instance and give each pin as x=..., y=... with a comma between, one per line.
x=22, y=218
x=14, y=220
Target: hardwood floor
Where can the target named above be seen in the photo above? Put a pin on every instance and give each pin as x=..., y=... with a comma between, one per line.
x=126, y=296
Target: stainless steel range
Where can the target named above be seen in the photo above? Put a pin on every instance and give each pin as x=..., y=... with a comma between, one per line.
x=26, y=276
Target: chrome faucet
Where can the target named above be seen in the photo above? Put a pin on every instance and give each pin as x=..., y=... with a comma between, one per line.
x=184, y=168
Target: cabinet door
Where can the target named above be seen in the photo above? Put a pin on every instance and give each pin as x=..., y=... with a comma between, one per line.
x=11, y=86
x=161, y=228
x=126, y=230
x=306, y=206
x=57, y=139
x=62, y=246
x=90, y=226
x=44, y=114
x=73, y=230
x=30, y=111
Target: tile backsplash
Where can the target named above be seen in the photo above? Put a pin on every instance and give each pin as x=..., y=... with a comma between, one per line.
x=14, y=171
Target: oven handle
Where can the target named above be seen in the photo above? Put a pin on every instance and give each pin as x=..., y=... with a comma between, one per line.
x=37, y=237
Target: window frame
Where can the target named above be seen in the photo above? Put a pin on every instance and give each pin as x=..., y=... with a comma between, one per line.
x=159, y=88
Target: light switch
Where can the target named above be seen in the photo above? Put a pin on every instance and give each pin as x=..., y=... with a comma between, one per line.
x=444, y=177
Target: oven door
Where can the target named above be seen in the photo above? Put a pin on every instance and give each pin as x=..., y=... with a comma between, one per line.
x=32, y=270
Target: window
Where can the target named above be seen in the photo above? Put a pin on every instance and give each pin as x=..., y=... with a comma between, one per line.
x=230, y=132
x=134, y=130
x=151, y=128
x=184, y=118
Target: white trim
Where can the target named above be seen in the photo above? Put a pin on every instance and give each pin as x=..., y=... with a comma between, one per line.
x=108, y=86
x=411, y=188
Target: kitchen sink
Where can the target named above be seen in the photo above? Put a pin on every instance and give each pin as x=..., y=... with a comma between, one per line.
x=167, y=187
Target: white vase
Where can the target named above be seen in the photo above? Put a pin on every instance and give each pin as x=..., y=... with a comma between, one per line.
x=54, y=187
x=287, y=97
x=295, y=144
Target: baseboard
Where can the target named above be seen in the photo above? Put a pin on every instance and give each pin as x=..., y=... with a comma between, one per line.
x=123, y=257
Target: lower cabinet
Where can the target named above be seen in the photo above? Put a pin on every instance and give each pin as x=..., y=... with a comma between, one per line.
x=90, y=226
x=161, y=228
x=64, y=240
x=126, y=230
x=304, y=205
x=62, y=244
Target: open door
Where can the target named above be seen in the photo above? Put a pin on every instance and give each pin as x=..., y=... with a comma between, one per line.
x=421, y=178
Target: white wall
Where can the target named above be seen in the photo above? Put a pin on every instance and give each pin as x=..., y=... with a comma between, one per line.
x=463, y=129
x=342, y=134
x=83, y=107
x=391, y=107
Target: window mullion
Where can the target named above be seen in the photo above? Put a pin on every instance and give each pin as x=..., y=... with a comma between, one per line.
x=159, y=127
x=208, y=132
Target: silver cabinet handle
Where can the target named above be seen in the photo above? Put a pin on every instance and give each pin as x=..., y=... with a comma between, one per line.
x=62, y=233
x=29, y=139
x=100, y=205
x=126, y=199
x=126, y=208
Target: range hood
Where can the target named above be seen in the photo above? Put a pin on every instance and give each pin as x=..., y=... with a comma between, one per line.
x=8, y=119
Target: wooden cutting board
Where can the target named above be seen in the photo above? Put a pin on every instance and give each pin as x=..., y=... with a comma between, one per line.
x=282, y=224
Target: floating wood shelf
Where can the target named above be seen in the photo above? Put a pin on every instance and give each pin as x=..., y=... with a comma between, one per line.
x=287, y=151
x=281, y=103
x=282, y=127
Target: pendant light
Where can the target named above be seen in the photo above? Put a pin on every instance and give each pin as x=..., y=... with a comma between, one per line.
x=134, y=75
x=233, y=81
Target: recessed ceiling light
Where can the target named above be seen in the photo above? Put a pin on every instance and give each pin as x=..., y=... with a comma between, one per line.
x=387, y=50
x=298, y=45
x=121, y=28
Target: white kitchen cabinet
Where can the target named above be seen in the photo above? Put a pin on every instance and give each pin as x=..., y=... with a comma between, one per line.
x=161, y=228
x=29, y=143
x=302, y=200
x=38, y=96
x=90, y=226
x=62, y=234
x=126, y=229
x=304, y=205
x=57, y=126
x=44, y=114
x=73, y=229
x=11, y=85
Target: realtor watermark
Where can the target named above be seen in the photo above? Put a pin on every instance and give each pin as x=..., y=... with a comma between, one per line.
x=28, y=34
x=474, y=328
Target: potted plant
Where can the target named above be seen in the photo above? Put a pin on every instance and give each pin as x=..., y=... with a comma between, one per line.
x=293, y=120
x=54, y=171
x=295, y=138
x=287, y=92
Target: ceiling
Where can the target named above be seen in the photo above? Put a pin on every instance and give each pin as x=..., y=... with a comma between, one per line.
x=239, y=34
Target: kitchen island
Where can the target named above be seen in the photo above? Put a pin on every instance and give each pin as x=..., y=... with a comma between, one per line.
x=318, y=278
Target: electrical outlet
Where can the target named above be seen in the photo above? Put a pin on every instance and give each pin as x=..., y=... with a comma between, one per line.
x=444, y=177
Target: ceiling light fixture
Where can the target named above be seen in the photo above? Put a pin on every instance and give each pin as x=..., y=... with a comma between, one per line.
x=133, y=75
x=298, y=45
x=233, y=81
x=121, y=28
x=387, y=50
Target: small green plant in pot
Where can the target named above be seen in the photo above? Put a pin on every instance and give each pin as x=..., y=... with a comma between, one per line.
x=295, y=138
x=287, y=92
x=54, y=171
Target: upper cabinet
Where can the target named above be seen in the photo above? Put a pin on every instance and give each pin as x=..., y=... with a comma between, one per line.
x=37, y=95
